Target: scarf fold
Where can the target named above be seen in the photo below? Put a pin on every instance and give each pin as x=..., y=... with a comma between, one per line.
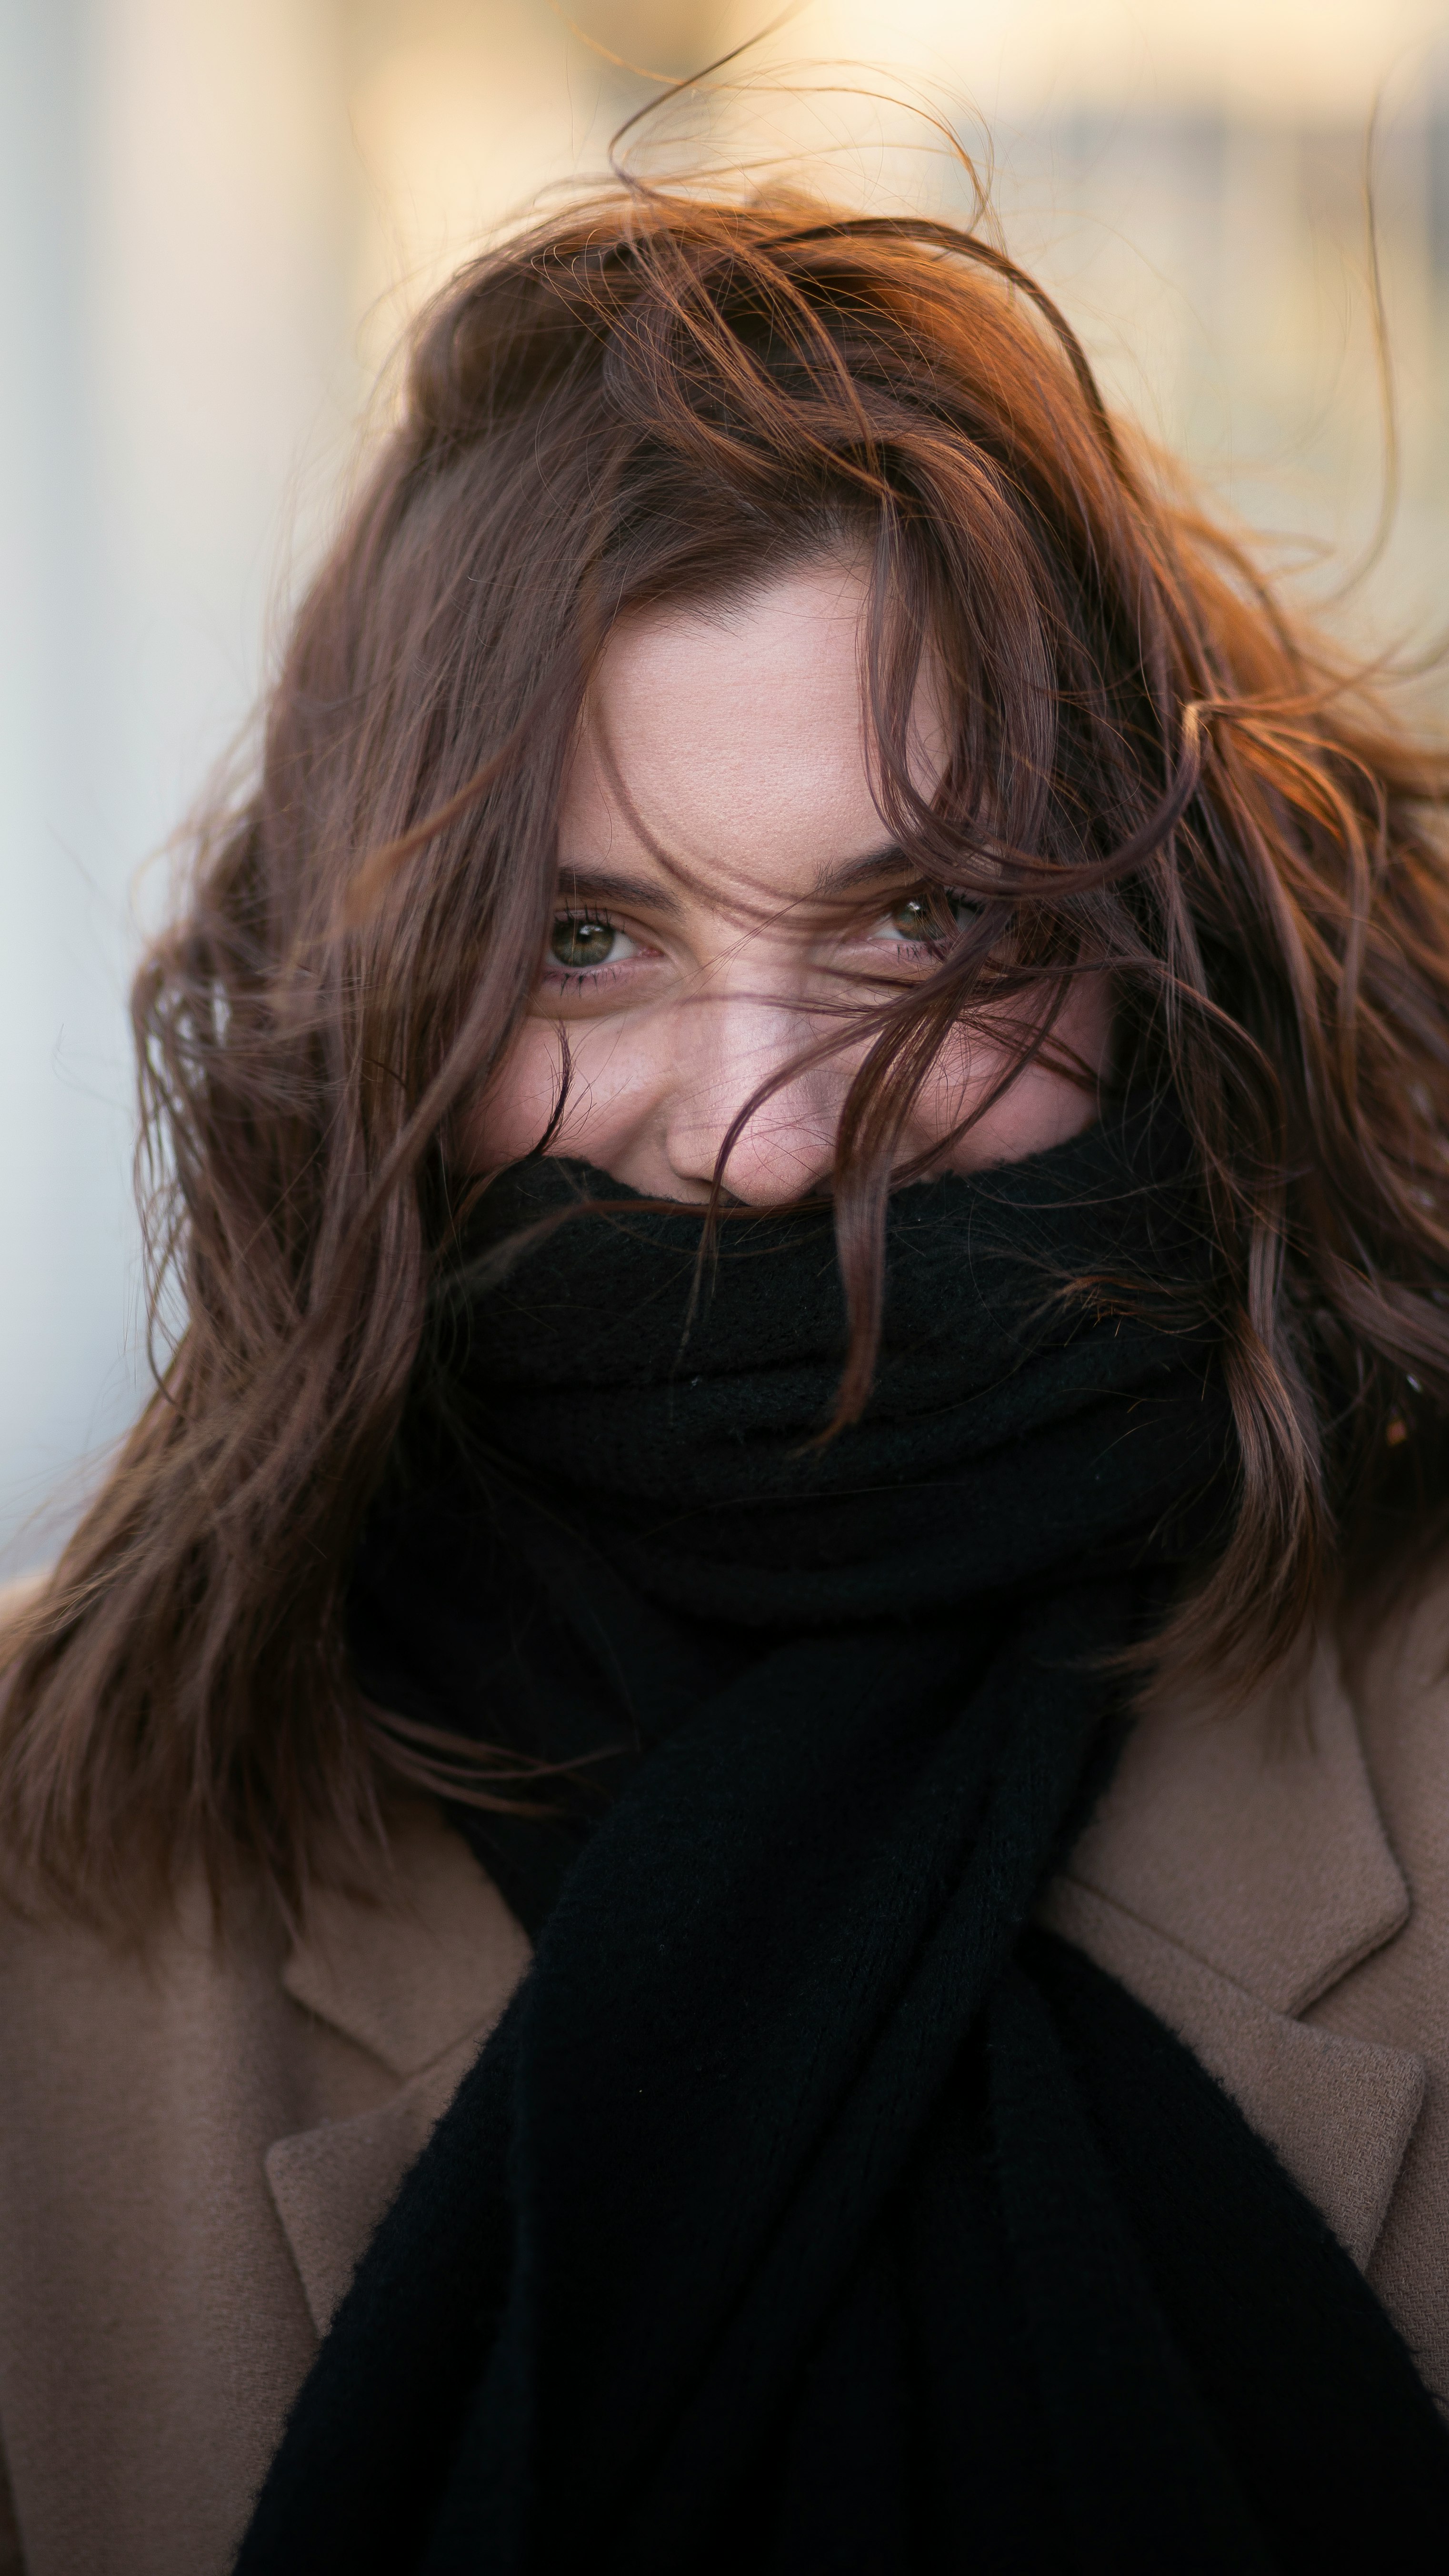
x=811, y=2210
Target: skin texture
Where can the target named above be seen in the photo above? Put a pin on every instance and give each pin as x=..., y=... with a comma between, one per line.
x=719, y=799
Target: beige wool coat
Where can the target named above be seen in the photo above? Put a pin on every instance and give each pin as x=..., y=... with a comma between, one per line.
x=196, y=2141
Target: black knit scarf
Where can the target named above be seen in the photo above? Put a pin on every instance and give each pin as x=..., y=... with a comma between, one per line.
x=811, y=2212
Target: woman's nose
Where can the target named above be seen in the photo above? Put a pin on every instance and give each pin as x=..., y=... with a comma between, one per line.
x=729, y=1049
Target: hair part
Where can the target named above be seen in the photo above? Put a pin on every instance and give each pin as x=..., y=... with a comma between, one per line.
x=1157, y=771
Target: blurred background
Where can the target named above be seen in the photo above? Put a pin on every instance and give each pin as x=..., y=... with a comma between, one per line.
x=217, y=216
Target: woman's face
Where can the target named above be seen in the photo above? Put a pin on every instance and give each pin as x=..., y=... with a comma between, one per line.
x=726, y=882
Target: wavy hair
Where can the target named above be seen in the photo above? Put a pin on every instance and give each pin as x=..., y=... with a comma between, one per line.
x=1156, y=770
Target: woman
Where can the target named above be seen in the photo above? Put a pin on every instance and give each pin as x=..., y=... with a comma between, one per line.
x=806, y=1125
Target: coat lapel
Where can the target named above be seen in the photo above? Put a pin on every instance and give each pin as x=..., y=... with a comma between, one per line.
x=333, y=2184
x=417, y=1984
x=1236, y=1870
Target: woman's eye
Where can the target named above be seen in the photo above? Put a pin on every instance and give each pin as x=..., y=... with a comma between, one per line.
x=924, y=918
x=579, y=941
x=912, y=918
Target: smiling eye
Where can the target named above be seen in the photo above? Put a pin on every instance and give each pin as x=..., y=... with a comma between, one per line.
x=578, y=941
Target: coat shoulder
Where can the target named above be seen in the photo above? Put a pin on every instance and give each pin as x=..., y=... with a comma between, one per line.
x=200, y=2131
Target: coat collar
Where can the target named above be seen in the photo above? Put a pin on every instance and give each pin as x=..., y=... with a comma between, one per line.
x=1249, y=1834
x=407, y=1979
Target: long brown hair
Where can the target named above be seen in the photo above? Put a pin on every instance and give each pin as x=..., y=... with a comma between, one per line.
x=1156, y=771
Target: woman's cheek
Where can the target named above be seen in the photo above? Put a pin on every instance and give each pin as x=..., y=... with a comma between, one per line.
x=617, y=1070
x=519, y=1103
x=1039, y=1109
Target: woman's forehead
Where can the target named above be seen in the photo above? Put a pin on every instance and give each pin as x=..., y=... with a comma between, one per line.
x=737, y=737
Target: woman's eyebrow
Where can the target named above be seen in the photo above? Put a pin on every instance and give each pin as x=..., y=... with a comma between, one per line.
x=599, y=885
x=584, y=884
x=853, y=873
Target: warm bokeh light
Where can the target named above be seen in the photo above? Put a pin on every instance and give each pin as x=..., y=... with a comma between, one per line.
x=220, y=213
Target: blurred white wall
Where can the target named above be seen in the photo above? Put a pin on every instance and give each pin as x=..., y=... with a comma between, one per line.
x=177, y=180
x=215, y=215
